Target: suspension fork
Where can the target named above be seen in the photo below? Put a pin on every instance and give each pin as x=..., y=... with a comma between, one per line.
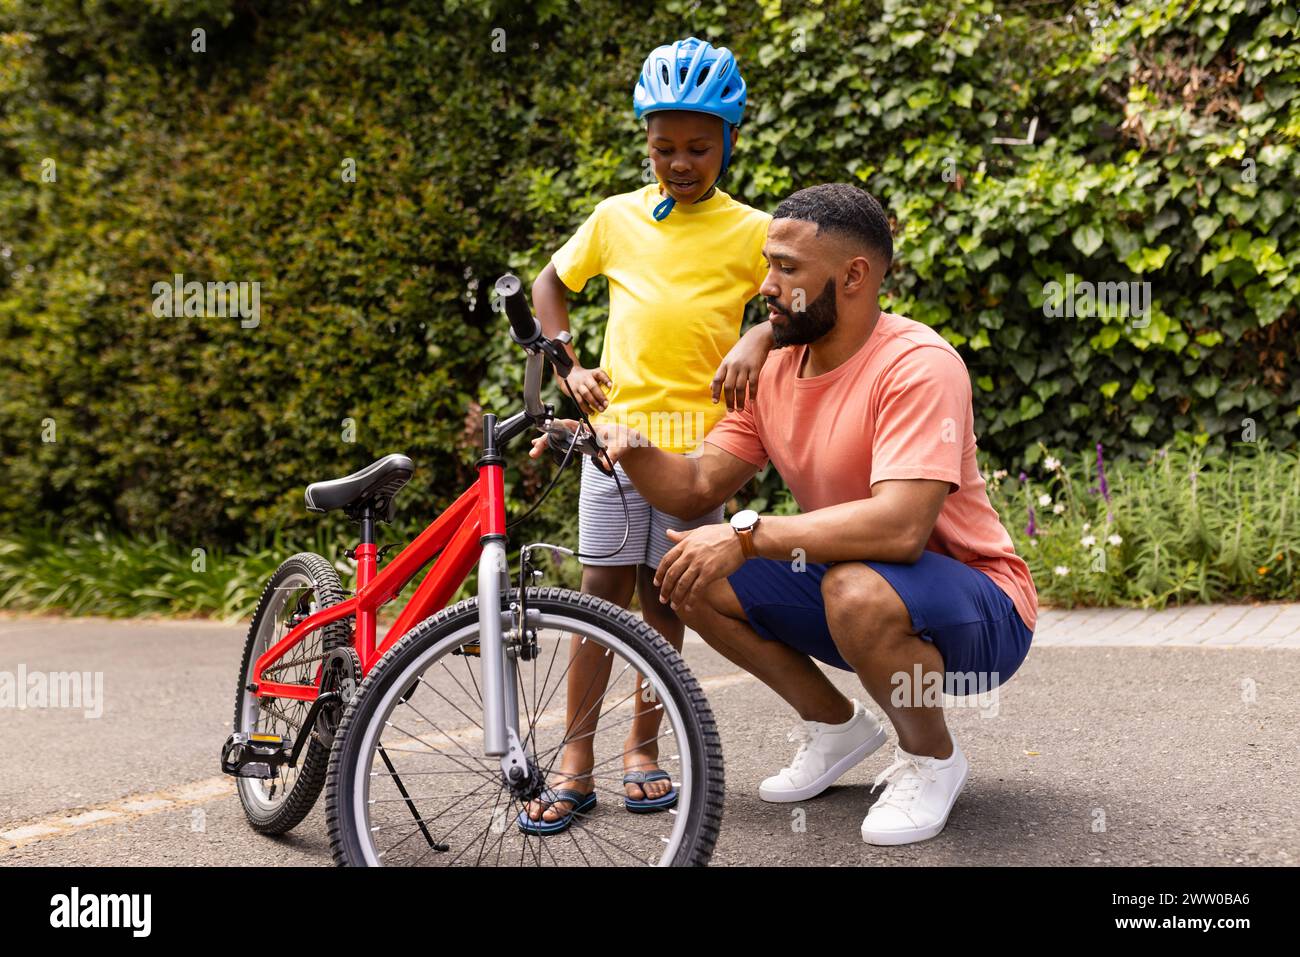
x=500, y=705
x=500, y=702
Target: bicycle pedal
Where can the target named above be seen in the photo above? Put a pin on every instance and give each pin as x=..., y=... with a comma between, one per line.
x=255, y=755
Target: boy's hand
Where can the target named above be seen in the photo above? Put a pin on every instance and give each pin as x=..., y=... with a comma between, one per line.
x=738, y=373
x=586, y=386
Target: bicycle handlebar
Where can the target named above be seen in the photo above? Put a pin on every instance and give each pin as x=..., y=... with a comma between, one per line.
x=527, y=332
x=524, y=327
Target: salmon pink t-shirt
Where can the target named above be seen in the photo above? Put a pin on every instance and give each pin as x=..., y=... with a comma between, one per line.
x=899, y=408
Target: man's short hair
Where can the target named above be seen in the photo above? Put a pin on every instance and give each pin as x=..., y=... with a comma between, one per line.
x=844, y=209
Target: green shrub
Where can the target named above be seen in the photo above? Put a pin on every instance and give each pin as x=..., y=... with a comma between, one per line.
x=1179, y=527
x=1165, y=151
x=108, y=574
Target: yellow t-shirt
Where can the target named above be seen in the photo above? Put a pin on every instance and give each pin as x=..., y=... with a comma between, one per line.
x=677, y=294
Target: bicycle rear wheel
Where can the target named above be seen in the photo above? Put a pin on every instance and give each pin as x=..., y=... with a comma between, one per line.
x=409, y=784
x=302, y=585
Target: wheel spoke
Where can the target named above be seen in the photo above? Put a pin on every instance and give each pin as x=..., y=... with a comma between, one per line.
x=301, y=586
x=475, y=809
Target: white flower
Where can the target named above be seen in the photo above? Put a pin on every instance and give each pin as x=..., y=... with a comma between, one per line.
x=1032, y=541
x=1087, y=525
x=1062, y=570
x=1000, y=474
x=1088, y=541
x=1051, y=464
x=1044, y=500
x=1058, y=508
x=1115, y=540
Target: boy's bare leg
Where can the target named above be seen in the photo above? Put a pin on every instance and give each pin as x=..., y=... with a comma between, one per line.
x=589, y=668
x=641, y=749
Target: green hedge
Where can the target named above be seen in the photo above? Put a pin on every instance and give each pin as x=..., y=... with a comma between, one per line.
x=1165, y=152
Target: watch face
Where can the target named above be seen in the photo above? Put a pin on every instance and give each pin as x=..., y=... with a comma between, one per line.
x=745, y=519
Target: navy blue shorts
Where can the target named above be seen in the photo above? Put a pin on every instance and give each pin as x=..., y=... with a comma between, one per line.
x=958, y=608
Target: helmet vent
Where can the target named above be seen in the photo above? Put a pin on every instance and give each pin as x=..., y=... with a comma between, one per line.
x=692, y=75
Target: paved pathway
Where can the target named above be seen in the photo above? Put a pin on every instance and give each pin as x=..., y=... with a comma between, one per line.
x=1238, y=626
x=1181, y=752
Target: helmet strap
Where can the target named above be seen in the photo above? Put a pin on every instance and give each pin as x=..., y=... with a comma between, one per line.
x=726, y=149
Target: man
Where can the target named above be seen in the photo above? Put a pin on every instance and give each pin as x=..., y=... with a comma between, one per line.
x=898, y=566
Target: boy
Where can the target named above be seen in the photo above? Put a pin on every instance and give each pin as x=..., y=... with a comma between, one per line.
x=682, y=259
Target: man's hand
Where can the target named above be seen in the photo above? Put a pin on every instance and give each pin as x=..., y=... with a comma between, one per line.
x=738, y=373
x=700, y=557
x=586, y=386
x=617, y=438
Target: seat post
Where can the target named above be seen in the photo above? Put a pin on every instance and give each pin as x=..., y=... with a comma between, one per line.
x=367, y=565
x=368, y=524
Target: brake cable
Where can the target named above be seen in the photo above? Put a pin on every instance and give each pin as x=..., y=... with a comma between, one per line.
x=568, y=454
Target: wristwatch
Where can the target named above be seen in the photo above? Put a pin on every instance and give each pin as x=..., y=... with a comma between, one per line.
x=744, y=523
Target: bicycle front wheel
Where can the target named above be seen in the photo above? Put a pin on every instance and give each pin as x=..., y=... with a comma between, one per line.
x=409, y=784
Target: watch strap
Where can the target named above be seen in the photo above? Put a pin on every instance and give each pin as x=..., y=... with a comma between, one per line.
x=746, y=536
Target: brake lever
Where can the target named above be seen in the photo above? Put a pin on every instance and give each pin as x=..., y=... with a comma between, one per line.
x=560, y=437
x=559, y=356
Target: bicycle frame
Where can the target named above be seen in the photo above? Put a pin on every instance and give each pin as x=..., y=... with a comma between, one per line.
x=471, y=530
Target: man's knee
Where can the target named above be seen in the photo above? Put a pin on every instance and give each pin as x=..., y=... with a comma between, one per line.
x=862, y=608
x=716, y=598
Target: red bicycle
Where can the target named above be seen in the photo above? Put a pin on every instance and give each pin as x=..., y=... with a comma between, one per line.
x=431, y=742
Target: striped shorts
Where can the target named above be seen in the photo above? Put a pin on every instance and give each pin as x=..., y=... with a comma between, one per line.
x=601, y=521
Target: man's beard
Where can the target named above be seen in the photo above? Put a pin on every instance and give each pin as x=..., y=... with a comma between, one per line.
x=801, y=328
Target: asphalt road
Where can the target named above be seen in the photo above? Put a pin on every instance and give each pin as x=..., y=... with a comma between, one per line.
x=1095, y=756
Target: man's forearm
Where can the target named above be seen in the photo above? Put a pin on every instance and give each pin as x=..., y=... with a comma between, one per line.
x=865, y=530
x=666, y=480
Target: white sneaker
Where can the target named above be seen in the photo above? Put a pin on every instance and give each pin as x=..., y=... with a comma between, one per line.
x=919, y=796
x=825, y=752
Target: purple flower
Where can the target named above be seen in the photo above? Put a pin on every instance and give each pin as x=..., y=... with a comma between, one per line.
x=1031, y=529
x=1102, y=486
x=1101, y=475
x=1023, y=476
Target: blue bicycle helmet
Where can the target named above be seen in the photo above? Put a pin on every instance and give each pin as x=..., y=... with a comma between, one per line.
x=692, y=75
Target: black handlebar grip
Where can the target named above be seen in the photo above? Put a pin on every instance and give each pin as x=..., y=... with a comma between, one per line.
x=525, y=327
